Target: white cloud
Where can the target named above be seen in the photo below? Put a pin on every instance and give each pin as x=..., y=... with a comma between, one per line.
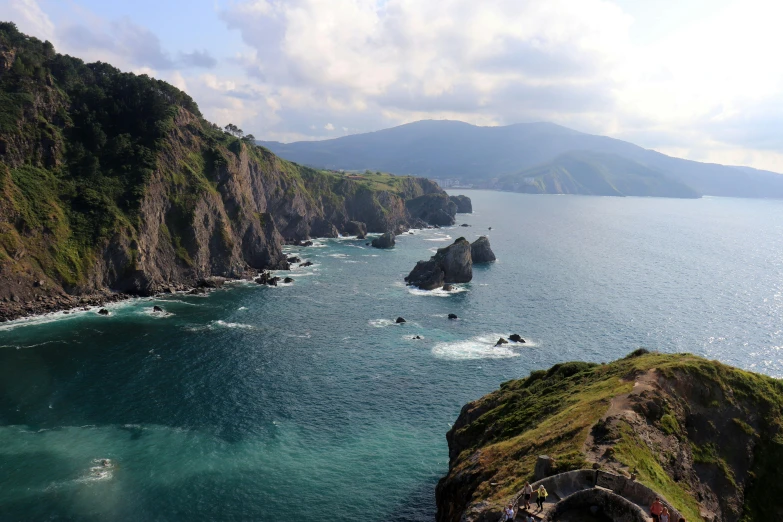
x=29, y=18
x=712, y=89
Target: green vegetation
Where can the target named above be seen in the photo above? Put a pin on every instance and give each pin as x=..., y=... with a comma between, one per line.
x=597, y=174
x=81, y=143
x=552, y=412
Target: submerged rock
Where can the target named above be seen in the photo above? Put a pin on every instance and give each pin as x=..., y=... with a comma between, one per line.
x=516, y=338
x=448, y=288
x=288, y=280
x=356, y=228
x=452, y=316
x=481, y=252
x=400, y=320
x=384, y=241
x=157, y=308
x=501, y=341
x=103, y=311
x=294, y=259
x=307, y=263
x=452, y=264
x=464, y=205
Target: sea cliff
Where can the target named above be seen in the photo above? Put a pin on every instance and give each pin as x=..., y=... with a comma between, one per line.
x=114, y=182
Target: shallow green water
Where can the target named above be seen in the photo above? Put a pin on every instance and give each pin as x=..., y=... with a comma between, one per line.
x=259, y=403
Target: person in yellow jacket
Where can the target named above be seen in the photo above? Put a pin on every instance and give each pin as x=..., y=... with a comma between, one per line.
x=541, y=497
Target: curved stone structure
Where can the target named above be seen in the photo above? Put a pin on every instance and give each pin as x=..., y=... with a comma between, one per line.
x=563, y=486
x=598, y=500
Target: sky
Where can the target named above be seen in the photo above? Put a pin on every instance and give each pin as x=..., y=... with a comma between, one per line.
x=699, y=79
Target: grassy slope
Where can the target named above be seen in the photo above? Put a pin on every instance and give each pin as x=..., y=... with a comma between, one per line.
x=551, y=412
x=593, y=173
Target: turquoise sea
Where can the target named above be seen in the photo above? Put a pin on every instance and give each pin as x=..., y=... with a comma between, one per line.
x=306, y=401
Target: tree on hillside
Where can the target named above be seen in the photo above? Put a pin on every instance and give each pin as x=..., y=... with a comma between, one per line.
x=234, y=130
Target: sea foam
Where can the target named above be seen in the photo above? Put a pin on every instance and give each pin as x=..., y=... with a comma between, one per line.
x=479, y=347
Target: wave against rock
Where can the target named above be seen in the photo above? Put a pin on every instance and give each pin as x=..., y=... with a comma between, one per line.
x=451, y=264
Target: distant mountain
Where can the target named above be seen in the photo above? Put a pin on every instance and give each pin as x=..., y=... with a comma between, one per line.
x=482, y=155
x=595, y=173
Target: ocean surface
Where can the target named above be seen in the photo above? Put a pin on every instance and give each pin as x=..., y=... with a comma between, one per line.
x=307, y=402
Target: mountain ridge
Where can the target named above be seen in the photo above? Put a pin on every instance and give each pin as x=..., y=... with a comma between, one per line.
x=448, y=149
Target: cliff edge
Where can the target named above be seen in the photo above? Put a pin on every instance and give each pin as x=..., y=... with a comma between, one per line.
x=705, y=436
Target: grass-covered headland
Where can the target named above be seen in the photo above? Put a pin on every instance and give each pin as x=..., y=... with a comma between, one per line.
x=706, y=436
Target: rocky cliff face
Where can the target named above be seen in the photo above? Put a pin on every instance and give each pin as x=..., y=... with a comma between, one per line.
x=114, y=182
x=452, y=264
x=435, y=209
x=464, y=205
x=703, y=435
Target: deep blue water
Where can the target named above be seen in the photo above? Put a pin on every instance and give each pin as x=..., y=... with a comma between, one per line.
x=259, y=403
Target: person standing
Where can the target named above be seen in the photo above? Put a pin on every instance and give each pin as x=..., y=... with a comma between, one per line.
x=664, y=515
x=508, y=513
x=656, y=509
x=527, y=492
x=541, y=497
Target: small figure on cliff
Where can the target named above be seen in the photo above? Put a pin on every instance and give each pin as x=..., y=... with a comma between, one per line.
x=508, y=513
x=541, y=497
x=656, y=509
x=527, y=492
x=664, y=515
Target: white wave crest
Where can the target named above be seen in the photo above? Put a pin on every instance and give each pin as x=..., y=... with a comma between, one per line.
x=438, y=292
x=479, y=347
x=381, y=323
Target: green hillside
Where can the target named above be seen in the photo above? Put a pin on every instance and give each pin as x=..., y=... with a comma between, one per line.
x=593, y=173
x=707, y=436
x=454, y=150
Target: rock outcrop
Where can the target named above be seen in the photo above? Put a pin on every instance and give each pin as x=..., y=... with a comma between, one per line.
x=384, y=241
x=464, y=205
x=356, y=228
x=434, y=209
x=702, y=435
x=481, y=252
x=451, y=264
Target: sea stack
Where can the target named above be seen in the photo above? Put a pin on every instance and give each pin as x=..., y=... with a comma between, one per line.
x=481, y=252
x=452, y=264
x=384, y=241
